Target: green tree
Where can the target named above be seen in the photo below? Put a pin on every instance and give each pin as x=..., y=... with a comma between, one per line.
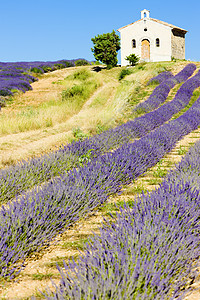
x=105, y=48
x=133, y=59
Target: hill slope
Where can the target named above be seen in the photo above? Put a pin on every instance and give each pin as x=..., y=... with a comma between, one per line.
x=38, y=121
x=110, y=103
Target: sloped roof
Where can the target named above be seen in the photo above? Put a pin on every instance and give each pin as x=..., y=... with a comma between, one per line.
x=158, y=21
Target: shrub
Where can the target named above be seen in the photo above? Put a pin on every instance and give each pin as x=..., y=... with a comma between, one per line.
x=68, y=64
x=123, y=73
x=81, y=62
x=46, y=68
x=79, y=135
x=133, y=59
x=76, y=90
x=141, y=66
x=37, y=70
x=5, y=92
x=59, y=66
x=81, y=75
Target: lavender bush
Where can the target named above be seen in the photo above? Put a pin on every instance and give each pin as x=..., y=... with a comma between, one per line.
x=148, y=252
x=161, y=92
x=15, y=179
x=160, y=77
x=145, y=254
x=16, y=76
x=33, y=219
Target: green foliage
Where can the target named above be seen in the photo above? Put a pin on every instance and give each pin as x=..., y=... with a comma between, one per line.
x=59, y=66
x=78, y=134
x=105, y=48
x=160, y=172
x=81, y=74
x=123, y=73
x=76, y=90
x=85, y=158
x=36, y=70
x=46, y=68
x=141, y=67
x=133, y=59
x=81, y=62
x=41, y=276
x=79, y=91
x=96, y=63
x=153, y=82
x=100, y=128
x=80, y=244
x=181, y=150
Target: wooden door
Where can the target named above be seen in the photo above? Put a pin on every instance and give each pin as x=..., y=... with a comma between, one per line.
x=145, y=51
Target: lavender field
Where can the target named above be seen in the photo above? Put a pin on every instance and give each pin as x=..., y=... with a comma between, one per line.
x=147, y=248
x=18, y=76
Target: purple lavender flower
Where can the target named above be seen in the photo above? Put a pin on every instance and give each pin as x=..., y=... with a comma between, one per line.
x=161, y=92
x=14, y=76
x=160, y=77
x=17, y=178
x=34, y=218
x=148, y=250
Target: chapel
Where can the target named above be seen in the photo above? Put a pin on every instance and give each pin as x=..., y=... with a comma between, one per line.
x=152, y=40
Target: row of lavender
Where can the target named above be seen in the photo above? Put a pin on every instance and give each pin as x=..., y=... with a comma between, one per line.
x=161, y=92
x=29, y=222
x=148, y=252
x=140, y=126
x=17, y=76
x=16, y=179
x=160, y=77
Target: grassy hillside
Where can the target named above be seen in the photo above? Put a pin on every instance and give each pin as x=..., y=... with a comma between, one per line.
x=70, y=103
x=67, y=105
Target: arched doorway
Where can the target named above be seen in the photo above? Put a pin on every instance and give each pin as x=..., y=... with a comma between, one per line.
x=145, y=50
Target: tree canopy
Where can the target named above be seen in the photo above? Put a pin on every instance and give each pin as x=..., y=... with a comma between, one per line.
x=105, y=48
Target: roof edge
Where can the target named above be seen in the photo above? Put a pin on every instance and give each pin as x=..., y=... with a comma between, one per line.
x=158, y=21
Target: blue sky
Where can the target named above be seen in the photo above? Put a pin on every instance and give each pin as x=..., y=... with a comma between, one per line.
x=61, y=29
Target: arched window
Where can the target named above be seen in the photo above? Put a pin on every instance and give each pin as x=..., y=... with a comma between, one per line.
x=157, y=42
x=145, y=29
x=145, y=14
x=134, y=43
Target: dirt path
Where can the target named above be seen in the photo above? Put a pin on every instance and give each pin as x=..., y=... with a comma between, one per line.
x=15, y=147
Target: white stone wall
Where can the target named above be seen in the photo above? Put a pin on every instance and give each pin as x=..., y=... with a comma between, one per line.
x=154, y=30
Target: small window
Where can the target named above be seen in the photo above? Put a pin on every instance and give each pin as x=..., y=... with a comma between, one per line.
x=145, y=29
x=134, y=43
x=145, y=15
x=157, y=43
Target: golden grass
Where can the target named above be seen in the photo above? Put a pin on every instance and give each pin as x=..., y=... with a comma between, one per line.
x=44, y=106
x=38, y=121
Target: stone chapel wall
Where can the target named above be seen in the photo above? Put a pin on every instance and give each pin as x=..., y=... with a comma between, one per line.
x=178, y=44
